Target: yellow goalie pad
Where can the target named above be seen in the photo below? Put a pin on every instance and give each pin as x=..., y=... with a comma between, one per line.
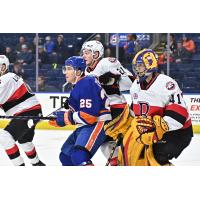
x=134, y=153
x=119, y=125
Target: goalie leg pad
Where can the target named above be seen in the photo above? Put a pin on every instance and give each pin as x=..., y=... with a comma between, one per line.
x=119, y=125
x=131, y=152
x=150, y=156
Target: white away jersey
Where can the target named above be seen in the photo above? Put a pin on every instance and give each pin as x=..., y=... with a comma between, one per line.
x=14, y=96
x=113, y=65
x=162, y=96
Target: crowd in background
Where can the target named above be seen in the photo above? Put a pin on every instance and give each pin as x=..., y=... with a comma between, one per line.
x=180, y=51
x=55, y=50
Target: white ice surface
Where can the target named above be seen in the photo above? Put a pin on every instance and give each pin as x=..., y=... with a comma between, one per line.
x=48, y=144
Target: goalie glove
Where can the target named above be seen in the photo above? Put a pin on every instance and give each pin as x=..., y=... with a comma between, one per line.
x=151, y=130
x=63, y=118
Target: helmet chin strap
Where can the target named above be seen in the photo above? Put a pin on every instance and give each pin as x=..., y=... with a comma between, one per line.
x=147, y=74
x=78, y=78
x=92, y=65
x=142, y=78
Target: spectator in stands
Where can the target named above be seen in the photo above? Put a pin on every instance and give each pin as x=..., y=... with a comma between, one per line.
x=98, y=37
x=188, y=45
x=43, y=87
x=22, y=41
x=107, y=50
x=131, y=48
x=11, y=55
x=173, y=45
x=163, y=58
x=181, y=54
x=43, y=56
x=60, y=49
x=49, y=45
x=25, y=57
x=18, y=69
x=32, y=46
x=2, y=49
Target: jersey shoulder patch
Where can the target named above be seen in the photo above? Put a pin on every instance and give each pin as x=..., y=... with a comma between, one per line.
x=170, y=85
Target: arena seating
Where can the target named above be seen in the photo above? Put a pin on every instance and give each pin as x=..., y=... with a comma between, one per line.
x=186, y=74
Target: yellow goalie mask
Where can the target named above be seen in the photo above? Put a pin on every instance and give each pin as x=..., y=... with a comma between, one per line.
x=145, y=63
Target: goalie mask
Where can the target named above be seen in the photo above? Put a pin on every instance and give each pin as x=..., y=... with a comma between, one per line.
x=145, y=63
x=4, y=64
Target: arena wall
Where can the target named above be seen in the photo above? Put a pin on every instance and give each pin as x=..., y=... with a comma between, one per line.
x=53, y=101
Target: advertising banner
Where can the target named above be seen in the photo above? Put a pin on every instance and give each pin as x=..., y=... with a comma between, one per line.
x=53, y=101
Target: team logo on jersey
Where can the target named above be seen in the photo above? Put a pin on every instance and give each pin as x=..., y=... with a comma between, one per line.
x=135, y=96
x=144, y=108
x=170, y=85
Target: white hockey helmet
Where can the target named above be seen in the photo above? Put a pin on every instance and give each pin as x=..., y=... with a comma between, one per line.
x=94, y=46
x=4, y=64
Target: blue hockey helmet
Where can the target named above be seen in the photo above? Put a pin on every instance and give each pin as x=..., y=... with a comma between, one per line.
x=77, y=62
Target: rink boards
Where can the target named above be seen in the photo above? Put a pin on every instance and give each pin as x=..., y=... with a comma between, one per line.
x=52, y=101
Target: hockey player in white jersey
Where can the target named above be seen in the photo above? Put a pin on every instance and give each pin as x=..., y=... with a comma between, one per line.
x=161, y=128
x=113, y=77
x=15, y=100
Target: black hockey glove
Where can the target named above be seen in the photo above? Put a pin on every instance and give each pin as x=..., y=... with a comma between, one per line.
x=106, y=78
x=66, y=104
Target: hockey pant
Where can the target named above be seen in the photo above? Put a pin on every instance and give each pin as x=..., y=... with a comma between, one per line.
x=18, y=130
x=82, y=144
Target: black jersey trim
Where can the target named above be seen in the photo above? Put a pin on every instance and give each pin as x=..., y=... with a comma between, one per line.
x=180, y=118
x=8, y=105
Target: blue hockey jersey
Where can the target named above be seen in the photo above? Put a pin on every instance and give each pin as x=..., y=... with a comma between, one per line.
x=89, y=102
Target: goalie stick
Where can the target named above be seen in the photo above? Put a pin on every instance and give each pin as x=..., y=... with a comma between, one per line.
x=117, y=142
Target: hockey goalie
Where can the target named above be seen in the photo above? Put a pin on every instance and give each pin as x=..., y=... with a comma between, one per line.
x=157, y=126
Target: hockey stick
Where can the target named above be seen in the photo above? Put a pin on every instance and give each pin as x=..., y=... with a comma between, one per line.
x=27, y=117
x=117, y=142
x=31, y=117
x=34, y=124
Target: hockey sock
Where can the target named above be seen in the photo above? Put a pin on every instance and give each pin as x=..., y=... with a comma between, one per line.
x=12, y=150
x=30, y=151
x=114, y=161
x=80, y=157
x=65, y=159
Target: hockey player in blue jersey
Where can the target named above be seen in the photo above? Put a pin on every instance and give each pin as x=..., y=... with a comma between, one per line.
x=88, y=109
